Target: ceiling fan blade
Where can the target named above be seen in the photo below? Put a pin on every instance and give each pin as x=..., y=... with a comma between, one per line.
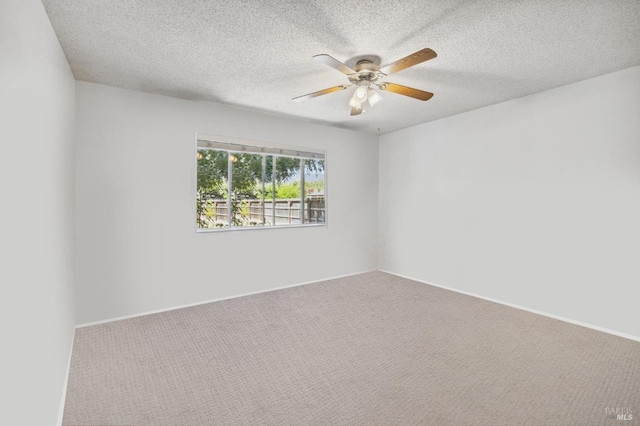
x=321, y=92
x=356, y=111
x=409, y=61
x=406, y=91
x=334, y=63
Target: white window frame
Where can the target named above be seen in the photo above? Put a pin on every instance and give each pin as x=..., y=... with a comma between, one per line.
x=240, y=145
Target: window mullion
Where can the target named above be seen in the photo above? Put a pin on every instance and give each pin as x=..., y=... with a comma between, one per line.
x=264, y=176
x=301, y=213
x=230, y=179
x=273, y=190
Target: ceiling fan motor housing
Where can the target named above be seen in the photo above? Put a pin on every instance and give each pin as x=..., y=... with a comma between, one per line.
x=366, y=73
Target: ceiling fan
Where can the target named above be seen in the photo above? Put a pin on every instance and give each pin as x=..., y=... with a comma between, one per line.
x=366, y=74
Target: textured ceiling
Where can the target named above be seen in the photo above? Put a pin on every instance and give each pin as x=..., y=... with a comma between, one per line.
x=257, y=54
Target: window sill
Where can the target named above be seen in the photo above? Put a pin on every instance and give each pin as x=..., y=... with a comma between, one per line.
x=204, y=231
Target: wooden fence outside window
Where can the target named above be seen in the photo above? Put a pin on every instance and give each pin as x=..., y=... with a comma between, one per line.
x=287, y=211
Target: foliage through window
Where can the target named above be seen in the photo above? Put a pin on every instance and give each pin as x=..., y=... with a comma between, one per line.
x=250, y=186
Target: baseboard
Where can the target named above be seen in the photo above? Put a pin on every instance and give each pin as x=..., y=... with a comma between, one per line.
x=88, y=324
x=593, y=327
x=66, y=382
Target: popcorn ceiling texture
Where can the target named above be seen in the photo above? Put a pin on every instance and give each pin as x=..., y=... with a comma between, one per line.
x=258, y=54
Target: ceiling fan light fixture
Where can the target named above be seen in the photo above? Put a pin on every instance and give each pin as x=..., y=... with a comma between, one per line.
x=373, y=97
x=355, y=102
x=361, y=93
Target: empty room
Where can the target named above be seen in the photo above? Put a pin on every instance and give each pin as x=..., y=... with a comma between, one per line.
x=320, y=212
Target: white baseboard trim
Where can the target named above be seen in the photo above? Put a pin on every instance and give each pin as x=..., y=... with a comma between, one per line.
x=66, y=382
x=594, y=327
x=88, y=324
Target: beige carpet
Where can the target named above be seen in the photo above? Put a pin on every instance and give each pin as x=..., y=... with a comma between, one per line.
x=371, y=349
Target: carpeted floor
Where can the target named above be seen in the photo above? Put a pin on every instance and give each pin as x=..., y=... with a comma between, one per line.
x=371, y=349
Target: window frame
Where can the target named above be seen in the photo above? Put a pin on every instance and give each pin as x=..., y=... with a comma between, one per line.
x=251, y=146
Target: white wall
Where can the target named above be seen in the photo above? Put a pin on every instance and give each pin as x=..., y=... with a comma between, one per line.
x=534, y=202
x=36, y=215
x=137, y=249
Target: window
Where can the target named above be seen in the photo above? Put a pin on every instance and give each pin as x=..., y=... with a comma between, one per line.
x=241, y=185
